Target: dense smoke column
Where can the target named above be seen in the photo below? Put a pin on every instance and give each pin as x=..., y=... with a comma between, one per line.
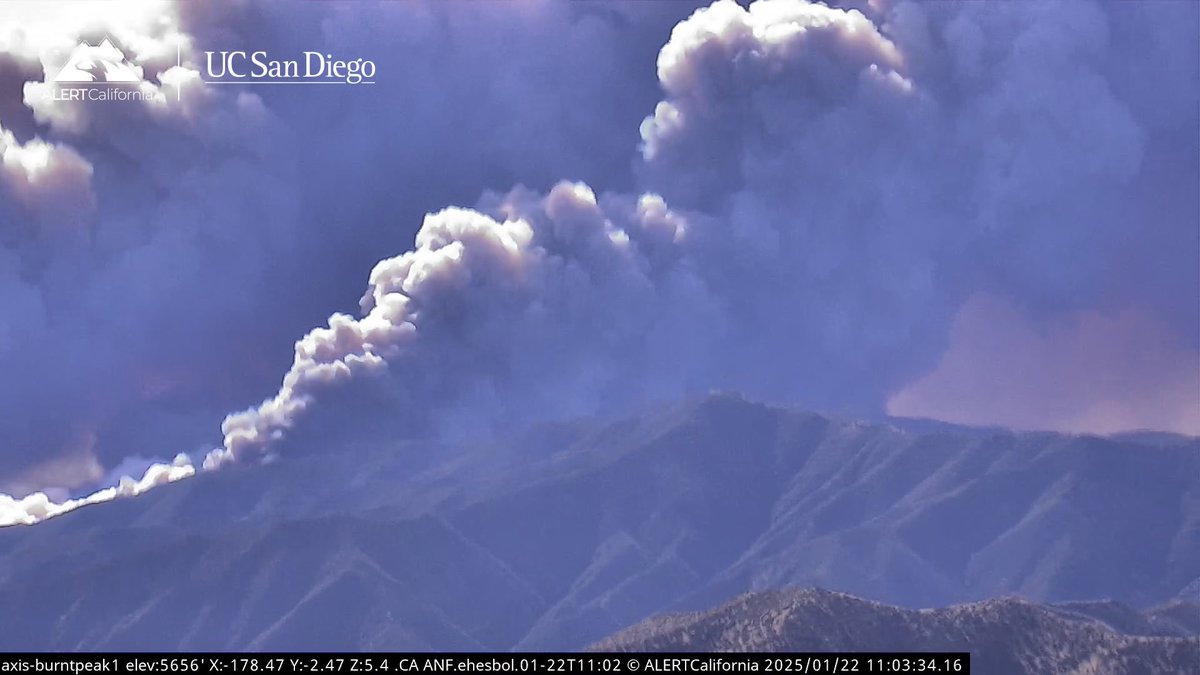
x=836, y=186
x=861, y=176
x=875, y=169
x=134, y=237
x=536, y=307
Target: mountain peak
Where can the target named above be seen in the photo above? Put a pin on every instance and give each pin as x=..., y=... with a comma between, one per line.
x=558, y=536
x=1006, y=636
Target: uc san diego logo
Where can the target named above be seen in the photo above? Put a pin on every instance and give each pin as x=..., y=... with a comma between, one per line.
x=104, y=72
x=240, y=67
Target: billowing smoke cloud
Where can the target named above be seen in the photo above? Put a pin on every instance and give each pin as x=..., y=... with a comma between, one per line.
x=38, y=506
x=817, y=194
x=49, y=184
x=855, y=192
x=877, y=171
x=546, y=307
x=132, y=235
x=578, y=300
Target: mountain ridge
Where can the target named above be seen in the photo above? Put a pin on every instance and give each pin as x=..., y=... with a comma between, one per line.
x=1006, y=636
x=554, y=538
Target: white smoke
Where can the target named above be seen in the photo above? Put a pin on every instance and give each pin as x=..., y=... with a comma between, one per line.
x=834, y=185
x=37, y=507
x=554, y=293
x=564, y=294
x=132, y=233
x=854, y=190
x=50, y=183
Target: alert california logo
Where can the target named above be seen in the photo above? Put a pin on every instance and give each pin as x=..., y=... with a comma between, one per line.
x=100, y=72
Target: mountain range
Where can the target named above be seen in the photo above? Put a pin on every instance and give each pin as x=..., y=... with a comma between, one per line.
x=1005, y=636
x=558, y=536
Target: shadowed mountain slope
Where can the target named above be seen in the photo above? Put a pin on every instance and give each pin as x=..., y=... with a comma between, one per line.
x=558, y=536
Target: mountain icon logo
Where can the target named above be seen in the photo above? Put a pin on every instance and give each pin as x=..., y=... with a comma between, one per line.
x=98, y=63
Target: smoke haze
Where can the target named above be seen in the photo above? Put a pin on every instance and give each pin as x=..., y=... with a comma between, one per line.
x=789, y=199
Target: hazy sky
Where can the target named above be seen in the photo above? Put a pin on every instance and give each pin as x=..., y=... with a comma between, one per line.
x=977, y=212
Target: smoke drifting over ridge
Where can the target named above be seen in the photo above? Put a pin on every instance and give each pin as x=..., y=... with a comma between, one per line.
x=847, y=276
x=178, y=293
x=564, y=305
x=834, y=185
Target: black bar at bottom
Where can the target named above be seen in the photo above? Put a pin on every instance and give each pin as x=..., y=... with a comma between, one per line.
x=823, y=663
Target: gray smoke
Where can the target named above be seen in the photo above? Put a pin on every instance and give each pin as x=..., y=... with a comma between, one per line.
x=134, y=235
x=860, y=178
x=541, y=307
x=818, y=193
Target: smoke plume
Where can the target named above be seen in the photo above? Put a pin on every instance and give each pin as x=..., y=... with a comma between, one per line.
x=796, y=204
